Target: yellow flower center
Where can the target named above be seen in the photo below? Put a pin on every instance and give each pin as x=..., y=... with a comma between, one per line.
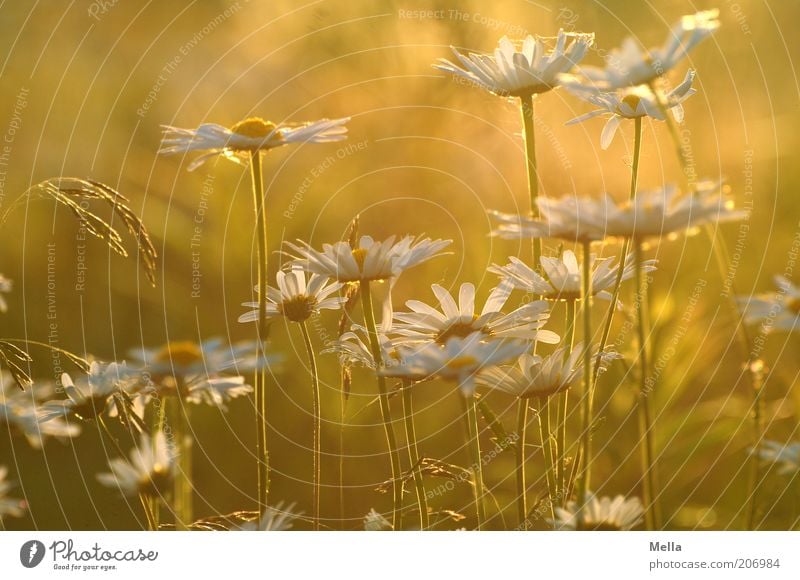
x=359, y=255
x=462, y=362
x=255, y=127
x=632, y=101
x=793, y=305
x=460, y=329
x=157, y=482
x=181, y=353
x=298, y=308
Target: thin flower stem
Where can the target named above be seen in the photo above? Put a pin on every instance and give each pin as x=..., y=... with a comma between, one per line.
x=183, y=477
x=386, y=413
x=522, y=487
x=312, y=362
x=652, y=516
x=159, y=421
x=528, y=123
x=586, y=398
x=722, y=258
x=637, y=149
x=754, y=485
x=546, y=438
x=413, y=454
x=259, y=207
x=471, y=418
x=563, y=408
x=151, y=525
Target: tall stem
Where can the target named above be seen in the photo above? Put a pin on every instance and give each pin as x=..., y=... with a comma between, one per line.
x=526, y=106
x=383, y=397
x=471, y=419
x=259, y=206
x=413, y=454
x=312, y=362
x=586, y=398
x=754, y=486
x=546, y=437
x=563, y=408
x=722, y=259
x=637, y=149
x=183, y=477
x=522, y=486
x=647, y=435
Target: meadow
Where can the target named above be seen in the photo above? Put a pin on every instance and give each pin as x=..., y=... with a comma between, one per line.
x=688, y=415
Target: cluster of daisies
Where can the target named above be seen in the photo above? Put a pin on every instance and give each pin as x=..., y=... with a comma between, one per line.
x=502, y=344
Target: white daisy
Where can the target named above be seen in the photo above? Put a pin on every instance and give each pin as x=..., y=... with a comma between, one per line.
x=354, y=349
x=9, y=506
x=561, y=277
x=95, y=391
x=521, y=70
x=371, y=260
x=425, y=323
x=631, y=103
x=777, y=311
x=459, y=359
x=36, y=424
x=535, y=376
x=295, y=299
x=603, y=514
x=785, y=456
x=204, y=372
x=631, y=65
x=375, y=522
x=254, y=134
x=149, y=471
x=6, y=286
x=661, y=212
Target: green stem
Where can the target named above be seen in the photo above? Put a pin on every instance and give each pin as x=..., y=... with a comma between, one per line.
x=413, y=454
x=563, y=408
x=183, y=477
x=647, y=435
x=259, y=207
x=312, y=362
x=522, y=487
x=754, y=485
x=159, y=421
x=722, y=259
x=529, y=132
x=586, y=398
x=386, y=413
x=546, y=438
x=471, y=418
x=637, y=149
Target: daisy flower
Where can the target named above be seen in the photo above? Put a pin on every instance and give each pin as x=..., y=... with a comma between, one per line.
x=92, y=397
x=36, y=424
x=254, y=134
x=148, y=471
x=528, y=68
x=459, y=319
x=777, y=311
x=354, y=350
x=5, y=288
x=631, y=65
x=295, y=299
x=631, y=103
x=375, y=522
x=561, y=277
x=8, y=505
x=459, y=359
x=663, y=212
x=204, y=373
x=600, y=514
x=370, y=261
x=785, y=456
x=535, y=376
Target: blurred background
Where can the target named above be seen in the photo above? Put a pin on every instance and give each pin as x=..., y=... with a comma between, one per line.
x=87, y=85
